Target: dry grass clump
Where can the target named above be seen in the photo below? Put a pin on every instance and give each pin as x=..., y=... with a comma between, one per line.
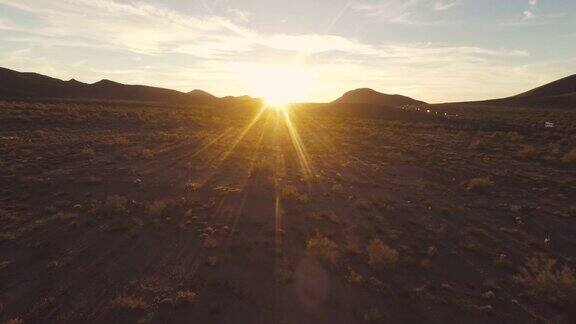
x=570, y=157
x=545, y=280
x=14, y=321
x=192, y=185
x=527, y=152
x=87, y=153
x=323, y=248
x=381, y=255
x=115, y=204
x=185, y=297
x=290, y=192
x=482, y=184
x=7, y=236
x=514, y=137
x=130, y=303
x=64, y=216
x=157, y=208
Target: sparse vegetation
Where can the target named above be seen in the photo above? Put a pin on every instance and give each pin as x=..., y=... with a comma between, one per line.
x=172, y=213
x=544, y=279
x=323, y=248
x=157, y=208
x=570, y=156
x=115, y=205
x=131, y=303
x=185, y=297
x=483, y=184
x=381, y=255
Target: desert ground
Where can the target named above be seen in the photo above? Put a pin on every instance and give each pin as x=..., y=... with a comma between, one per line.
x=119, y=212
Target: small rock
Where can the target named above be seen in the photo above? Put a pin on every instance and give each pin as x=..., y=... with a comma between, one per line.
x=446, y=286
x=488, y=295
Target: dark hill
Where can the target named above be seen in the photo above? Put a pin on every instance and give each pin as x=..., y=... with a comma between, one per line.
x=20, y=85
x=372, y=97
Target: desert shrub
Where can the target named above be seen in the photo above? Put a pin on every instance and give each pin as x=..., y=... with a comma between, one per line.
x=120, y=140
x=337, y=187
x=129, y=303
x=570, y=156
x=477, y=144
x=141, y=153
x=545, y=280
x=192, y=185
x=7, y=236
x=87, y=153
x=481, y=184
x=185, y=297
x=381, y=255
x=114, y=204
x=14, y=321
x=514, y=137
x=527, y=152
x=290, y=192
x=157, y=208
x=323, y=248
x=64, y=216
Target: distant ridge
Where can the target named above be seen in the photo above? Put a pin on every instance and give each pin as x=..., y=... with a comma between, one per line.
x=559, y=93
x=373, y=97
x=561, y=87
x=21, y=85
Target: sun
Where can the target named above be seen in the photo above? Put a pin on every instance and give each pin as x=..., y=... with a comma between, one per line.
x=279, y=86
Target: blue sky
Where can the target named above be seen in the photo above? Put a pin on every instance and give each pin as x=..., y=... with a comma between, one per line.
x=432, y=50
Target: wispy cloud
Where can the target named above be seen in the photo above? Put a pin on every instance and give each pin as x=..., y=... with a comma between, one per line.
x=403, y=12
x=443, y=5
x=392, y=11
x=530, y=12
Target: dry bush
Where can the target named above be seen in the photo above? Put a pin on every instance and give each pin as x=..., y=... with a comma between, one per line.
x=323, y=248
x=570, y=156
x=514, y=137
x=64, y=216
x=192, y=185
x=114, y=204
x=87, y=153
x=157, y=208
x=14, y=321
x=381, y=255
x=185, y=297
x=141, y=153
x=482, y=184
x=477, y=144
x=129, y=303
x=290, y=192
x=527, y=152
x=545, y=280
x=7, y=236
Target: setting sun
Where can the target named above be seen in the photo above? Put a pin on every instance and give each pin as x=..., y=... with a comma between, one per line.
x=279, y=85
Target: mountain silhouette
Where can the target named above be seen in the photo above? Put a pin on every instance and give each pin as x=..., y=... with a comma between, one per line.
x=372, y=97
x=21, y=85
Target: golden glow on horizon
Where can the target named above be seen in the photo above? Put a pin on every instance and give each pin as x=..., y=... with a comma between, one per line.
x=279, y=86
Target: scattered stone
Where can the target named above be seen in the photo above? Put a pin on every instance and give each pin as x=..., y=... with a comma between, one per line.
x=488, y=295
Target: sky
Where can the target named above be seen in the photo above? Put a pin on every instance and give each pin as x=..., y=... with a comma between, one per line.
x=432, y=50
